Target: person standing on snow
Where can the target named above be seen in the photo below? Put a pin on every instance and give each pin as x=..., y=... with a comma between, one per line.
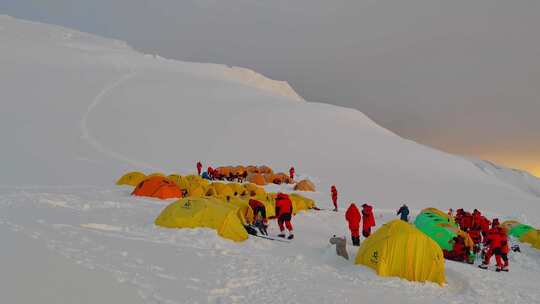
x=404, y=212
x=291, y=173
x=369, y=220
x=199, y=168
x=284, y=215
x=352, y=215
x=334, y=192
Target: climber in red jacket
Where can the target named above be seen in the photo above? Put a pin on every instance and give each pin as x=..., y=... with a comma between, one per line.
x=497, y=240
x=284, y=214
x=334, y=192
x=352, y=215
x=210, y=172
x=199, y=167
x=369, y=220
x=291, y=173
x=259, y=215
x=466, y=221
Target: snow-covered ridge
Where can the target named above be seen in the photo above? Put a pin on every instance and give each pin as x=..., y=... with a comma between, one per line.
x=101, y=50
x=517, y=178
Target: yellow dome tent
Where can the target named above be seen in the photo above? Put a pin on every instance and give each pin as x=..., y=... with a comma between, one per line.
x=238, y=189
x=532, y=237
x=131, y=178
x=221, y=190
x=398, y=249
x=254, y=190
x=156, y=174
x=269, y=201
x=301, y=203
x=196, y=191
x=204, y=212
x=175, y=178
x=243, y=206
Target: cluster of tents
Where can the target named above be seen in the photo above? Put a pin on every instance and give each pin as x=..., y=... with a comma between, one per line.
x=416, y=251
x=258, y=175
x=221, y=206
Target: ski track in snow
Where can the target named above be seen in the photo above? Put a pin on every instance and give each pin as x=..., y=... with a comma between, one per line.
x=92, y=141
x=107, y=230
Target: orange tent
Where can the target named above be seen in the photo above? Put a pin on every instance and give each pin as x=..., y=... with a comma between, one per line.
x=257, y=179
x=158, y=187
x=265, y=170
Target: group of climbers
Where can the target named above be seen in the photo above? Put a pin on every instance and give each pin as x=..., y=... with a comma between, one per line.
x=354, y=216
x=283, y=211
x=493, y=239
x=475, y=224
x=213, y=174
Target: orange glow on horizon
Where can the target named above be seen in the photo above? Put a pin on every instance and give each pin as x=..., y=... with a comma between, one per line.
x=531, y=167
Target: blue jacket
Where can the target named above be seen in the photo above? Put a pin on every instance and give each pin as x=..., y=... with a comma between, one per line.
x=404, y=211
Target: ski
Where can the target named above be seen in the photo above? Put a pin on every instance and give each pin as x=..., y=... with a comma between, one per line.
x=271, y=238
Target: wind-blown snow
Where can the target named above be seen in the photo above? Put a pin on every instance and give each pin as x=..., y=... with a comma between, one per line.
x=80, y=110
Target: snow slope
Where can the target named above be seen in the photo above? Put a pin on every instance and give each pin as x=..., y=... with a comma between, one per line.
x=518, y=178
x=79, y=110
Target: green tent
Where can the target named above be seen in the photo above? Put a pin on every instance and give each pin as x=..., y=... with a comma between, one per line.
x=519, y=230
x=437, y=228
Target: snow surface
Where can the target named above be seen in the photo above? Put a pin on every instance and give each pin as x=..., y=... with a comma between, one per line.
x=518, y=178
x=79, y=110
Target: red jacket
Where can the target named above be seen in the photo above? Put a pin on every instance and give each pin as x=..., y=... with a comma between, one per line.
x=369, y=219
x=467, y=221
x=485, y=224
x=334, y=192
x=503, y=235
x=199, y=166
x=352, y=215
x=253, y=203
x=291, y=172
x=494, y=238
x=283, y=204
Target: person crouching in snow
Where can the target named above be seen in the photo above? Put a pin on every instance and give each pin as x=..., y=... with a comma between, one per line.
x=497, y=240
x=334, y=192
x=369, y=220
x=352, y=215
x=259, y=216
x=284, y=214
